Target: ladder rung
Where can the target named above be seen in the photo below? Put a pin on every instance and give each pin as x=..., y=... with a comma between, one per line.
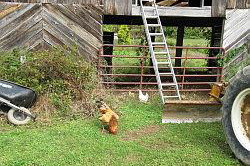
x=158, y=43
x=168, y=84
x=155, y=34
x=154, y=25
x=148, y=7
x=166, y=73
x=171, y=96
x=161, y=53
x=149, y=17
x=150, y=13
x=163, y=63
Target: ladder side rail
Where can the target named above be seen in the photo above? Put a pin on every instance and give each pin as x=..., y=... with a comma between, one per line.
x=168, y=53
x=152, y=52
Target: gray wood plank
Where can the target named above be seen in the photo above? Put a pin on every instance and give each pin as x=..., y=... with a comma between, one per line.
x=241, y=4
x=68, y=35
x=231, y=4
x=218, y=8
x=34, y=14
x=177, y=11
x=18, y=39
x=70, y=25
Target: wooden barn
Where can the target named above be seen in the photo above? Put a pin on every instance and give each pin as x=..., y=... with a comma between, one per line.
x=38, y=24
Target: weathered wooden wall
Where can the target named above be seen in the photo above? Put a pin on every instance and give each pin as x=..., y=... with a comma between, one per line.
x=118, y=7
x=218, y=8
x=238, y=4
x=237, y=28
x=39, y=25
x=93, y=2
x=114, y=7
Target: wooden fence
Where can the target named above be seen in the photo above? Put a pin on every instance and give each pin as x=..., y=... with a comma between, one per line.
x=39, y=25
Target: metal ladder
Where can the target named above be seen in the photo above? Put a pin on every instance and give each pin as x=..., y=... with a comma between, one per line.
x=147, y=15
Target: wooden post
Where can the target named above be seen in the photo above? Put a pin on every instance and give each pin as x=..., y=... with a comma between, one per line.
x=152, y=30
x=118, y=7
x=179, y=42
x=216, y=41
x=231, y=4
x=108, y=38
x=202, y=3
x=109, y=7
x=218, y=8
x=241, y=4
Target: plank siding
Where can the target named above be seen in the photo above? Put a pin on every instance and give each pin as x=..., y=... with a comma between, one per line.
x=238, y=4
x=218, y=8
x=118, y=7
x=93, y=2
x=111, y=7
x=237, y=28
x=41, y=25
x=231, y=4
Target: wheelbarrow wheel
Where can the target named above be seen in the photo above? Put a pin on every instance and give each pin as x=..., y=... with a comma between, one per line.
x=17, y=117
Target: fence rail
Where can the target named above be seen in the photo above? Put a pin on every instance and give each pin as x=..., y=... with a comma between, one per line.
x=128, y=68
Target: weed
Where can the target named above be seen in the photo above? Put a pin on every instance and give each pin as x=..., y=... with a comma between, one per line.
x=61, y=75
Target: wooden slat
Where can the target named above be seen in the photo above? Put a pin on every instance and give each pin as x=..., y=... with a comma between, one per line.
x=238, y=4
x=176, y=11
x=218, y=8
x=93, y=2
x=231, y=4
x=31, y=14
x=237, y=28
x=118, y=7
x=241, y=4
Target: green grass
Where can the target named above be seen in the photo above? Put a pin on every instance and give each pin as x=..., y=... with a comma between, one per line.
x=80, y=142
x=133, y=52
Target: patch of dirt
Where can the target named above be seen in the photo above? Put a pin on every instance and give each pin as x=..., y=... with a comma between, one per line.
x=134, y=135
x=160, y=145
x=131, y=158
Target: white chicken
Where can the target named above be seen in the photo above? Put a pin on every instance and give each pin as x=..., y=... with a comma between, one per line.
x=143, y=98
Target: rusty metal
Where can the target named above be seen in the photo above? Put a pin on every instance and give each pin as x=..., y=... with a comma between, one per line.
x=191, y=111
x=146, y=81
x=216, y=91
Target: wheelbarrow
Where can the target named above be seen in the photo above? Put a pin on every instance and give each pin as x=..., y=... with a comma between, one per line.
x=15, y=101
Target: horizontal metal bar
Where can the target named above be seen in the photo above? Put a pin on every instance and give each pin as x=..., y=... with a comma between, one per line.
x=173, y=47
x=156, y=90
x=155, y=83
x=152, y=75
x=160, y=67
x=140, y=57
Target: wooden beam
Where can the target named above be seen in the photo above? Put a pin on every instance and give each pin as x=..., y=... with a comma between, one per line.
x=216, y=41
x=231, y=4
x=179, y=42
x=218, y=8
x=177, y=11
x=241, y=4
x=123, y=7
x=201, y=3
x=118, y=7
